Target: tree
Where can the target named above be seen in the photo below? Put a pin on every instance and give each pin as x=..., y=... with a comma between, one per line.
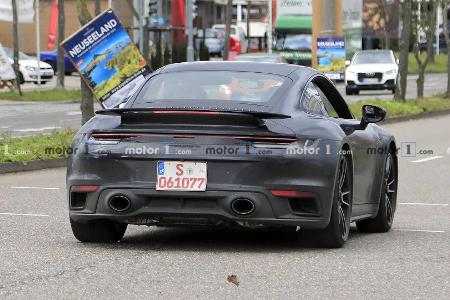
x=60, y=65
x=87, y=98
x=166, y=57
x=97, y=7
x=445, y=4
x=227, y=29
x=203, y=52
x=425, y=21
x=384, y=17
x=157, y=58
x=405, y=41
x=16, y=46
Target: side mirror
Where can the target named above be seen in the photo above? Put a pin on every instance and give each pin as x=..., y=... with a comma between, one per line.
x=371, y=114
x=347, y=63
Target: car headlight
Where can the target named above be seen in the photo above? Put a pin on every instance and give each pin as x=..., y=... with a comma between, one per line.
x=391, y=72
x=30, y=68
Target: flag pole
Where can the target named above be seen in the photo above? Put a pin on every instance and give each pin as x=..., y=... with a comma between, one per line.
x=38, y=43
x=270, y=29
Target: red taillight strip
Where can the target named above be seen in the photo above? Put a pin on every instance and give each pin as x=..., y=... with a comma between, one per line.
x=267, y=139
x=110, y=135
x=293, y=194
x=84, y=188
x=186, y=112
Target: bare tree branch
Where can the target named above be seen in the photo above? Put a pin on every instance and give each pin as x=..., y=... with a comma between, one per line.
x=87, y=98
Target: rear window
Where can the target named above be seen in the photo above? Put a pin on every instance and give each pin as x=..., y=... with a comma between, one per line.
x=210, y=85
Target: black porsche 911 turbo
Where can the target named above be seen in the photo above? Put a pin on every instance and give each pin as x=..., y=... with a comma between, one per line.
x=233, y=144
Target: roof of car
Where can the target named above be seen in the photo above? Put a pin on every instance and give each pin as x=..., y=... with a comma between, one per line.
x=258, y=55
x=240, y=66
x=374, y=51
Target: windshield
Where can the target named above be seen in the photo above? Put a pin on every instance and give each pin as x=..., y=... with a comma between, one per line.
x=299, y=42
x=210, y=85
x=373, y=58
x=10, y=54
x=222, y=30
x=210, y=34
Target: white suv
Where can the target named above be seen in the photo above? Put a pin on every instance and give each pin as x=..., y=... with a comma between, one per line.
x=371, y=70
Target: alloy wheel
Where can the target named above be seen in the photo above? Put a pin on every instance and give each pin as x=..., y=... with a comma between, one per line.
x=390, y=189
x=344, y=198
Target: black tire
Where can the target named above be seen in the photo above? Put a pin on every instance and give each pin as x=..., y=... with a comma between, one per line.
x=393, y=91
x=337, y=231
x=21, y=79
x=388, y=201
x=356, y=92
x=52, y=64
x=348, y=91
x=100, y=231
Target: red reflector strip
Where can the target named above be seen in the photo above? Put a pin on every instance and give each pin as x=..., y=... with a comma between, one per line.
x=186, y=112
x=84, y=188
x=267, y=139
x=293, y=194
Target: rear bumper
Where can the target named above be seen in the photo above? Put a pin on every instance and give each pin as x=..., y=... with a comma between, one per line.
x=213, y=207
x=250, y=176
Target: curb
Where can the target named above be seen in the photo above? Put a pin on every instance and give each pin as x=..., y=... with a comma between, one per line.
x=12, y=167
x=423, y=115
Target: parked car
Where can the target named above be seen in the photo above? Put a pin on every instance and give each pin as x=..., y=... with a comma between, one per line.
x=371, y=70
x=261, y=57
x=233, y=144
x=28, y=68
x=237, y=31
x=50, y=57
x=214, y=41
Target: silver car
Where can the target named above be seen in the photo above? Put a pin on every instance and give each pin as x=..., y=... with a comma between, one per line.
x=214, y=41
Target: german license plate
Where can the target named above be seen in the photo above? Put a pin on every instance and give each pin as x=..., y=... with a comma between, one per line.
x=371, y=80
x=181, y=176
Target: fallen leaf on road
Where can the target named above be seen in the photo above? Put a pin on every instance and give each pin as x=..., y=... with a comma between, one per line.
x=233, y=279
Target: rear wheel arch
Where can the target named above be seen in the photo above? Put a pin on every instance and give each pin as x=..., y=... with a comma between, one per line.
x=347, y=150
x=382, y=221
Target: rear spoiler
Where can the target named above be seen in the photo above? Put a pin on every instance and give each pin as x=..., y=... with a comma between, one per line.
x=189, y=112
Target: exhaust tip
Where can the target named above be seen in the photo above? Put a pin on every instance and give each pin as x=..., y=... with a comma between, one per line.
x=242, y=206
x=119, y=203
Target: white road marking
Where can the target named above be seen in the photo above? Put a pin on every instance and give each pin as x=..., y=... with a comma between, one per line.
x=426, y=204
x=73, y=113
x=427, y=159
x=38, y=129
x=420, y=230
x=23, y=215
x=34, y=187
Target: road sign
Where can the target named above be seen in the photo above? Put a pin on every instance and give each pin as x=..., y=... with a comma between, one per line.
x=107, y=59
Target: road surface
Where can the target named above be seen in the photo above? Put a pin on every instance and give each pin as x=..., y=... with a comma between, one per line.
x=21, y=119
x=41, y=259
